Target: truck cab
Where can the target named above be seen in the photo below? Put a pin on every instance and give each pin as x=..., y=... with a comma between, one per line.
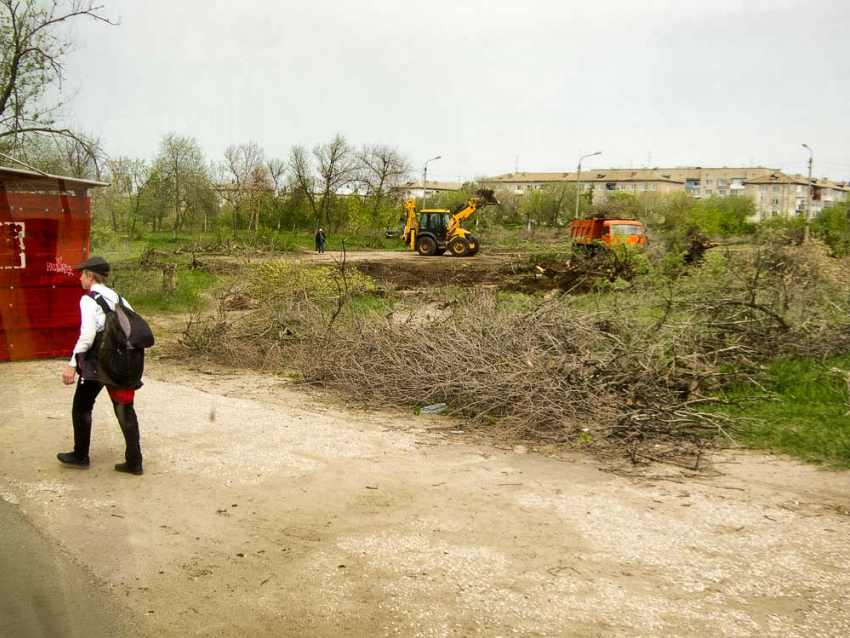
x=611, y=232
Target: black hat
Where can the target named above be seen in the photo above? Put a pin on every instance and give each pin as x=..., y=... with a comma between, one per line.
x=95, y=264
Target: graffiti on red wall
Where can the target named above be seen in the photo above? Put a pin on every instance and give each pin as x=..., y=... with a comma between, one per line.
x=60, y=266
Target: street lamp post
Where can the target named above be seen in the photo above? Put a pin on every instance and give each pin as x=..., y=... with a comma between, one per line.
x=425, y=179
x=808, y=194
x=578, y=178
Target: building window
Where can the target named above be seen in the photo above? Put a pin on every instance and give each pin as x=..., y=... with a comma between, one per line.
x=622, y=187
x=708, y=192
x=643, y=187
x=633, y=187
x=519, y=187
x=773, y=213
x=709, y=182
x=723, y=182
x=721, y=192
x=763, y=189
x=775, y=201
x=655, y=187
x=775, y=189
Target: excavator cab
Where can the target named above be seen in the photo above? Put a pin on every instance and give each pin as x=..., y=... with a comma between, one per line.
x=434, y=222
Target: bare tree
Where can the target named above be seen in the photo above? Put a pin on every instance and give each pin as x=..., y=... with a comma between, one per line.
x=334, y=169
x=239, y=171
x=305, y=180
x=381, y=169
x=114, y=197
x=82, y=155
x=335, y=165
x=277, y=173
x=138, y=173
x=33, y=45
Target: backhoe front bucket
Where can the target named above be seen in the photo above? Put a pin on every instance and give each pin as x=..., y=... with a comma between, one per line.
x=487, y=197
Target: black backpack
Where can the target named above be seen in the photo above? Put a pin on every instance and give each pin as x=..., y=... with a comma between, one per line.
x=121, y=358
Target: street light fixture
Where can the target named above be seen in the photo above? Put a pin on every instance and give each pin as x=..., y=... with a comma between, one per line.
x=425, y=179
x=578, y=178
x=808, y=194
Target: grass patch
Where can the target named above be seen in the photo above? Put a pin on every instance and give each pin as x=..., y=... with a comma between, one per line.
x=808, y=418
x=145, y=292
x=111, y=244
x=365, y=305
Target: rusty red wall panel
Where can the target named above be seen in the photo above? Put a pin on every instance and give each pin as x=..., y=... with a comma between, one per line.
x=41, y=237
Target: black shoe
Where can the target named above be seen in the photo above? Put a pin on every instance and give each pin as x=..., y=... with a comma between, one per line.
x=69, y=458
x=129, y=469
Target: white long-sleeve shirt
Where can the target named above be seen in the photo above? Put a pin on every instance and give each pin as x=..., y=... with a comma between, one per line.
x=92, y=318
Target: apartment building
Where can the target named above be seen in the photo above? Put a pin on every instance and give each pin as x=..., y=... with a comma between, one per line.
x=774, y=192
x=413, y=189
x=602, y=181
x=780, y=194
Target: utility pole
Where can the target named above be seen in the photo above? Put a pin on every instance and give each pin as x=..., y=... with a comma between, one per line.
x=425, y=180
x=578, y=178
x=808, y=195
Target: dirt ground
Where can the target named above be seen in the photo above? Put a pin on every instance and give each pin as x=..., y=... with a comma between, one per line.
x=405, y=270
x=265, y=512
x=268, y=510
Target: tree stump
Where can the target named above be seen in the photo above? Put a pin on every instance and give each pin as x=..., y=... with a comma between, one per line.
x=169, y=276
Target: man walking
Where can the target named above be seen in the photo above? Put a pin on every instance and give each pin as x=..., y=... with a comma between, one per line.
x=93, y=278
x=320, y=240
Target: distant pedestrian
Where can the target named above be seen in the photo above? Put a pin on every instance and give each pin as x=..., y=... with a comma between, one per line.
x=320, y=240
x=94, y=276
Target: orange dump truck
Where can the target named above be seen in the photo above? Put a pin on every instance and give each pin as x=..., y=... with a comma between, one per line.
x=608, y=231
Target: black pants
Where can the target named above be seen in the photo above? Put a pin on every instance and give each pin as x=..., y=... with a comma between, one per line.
x=84, y=398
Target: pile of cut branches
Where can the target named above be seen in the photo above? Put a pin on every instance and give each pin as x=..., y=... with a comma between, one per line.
x=632, y=376
x=574, y=378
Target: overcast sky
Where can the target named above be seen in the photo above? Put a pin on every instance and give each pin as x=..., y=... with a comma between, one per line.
x=489, y=85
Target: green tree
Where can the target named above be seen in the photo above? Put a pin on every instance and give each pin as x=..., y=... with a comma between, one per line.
x=620, y=206
x=724, y=215
x=181, y=171
x=507, y=213
x=832, y=225
x=159, y=194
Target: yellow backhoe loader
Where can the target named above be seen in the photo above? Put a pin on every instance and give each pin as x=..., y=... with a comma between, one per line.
x=434, y=231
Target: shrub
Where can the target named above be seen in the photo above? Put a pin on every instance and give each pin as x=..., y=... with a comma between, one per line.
x=832, y=225
x=283, y=278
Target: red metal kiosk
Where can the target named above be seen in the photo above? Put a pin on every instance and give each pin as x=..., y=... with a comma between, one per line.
x=44, y=230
